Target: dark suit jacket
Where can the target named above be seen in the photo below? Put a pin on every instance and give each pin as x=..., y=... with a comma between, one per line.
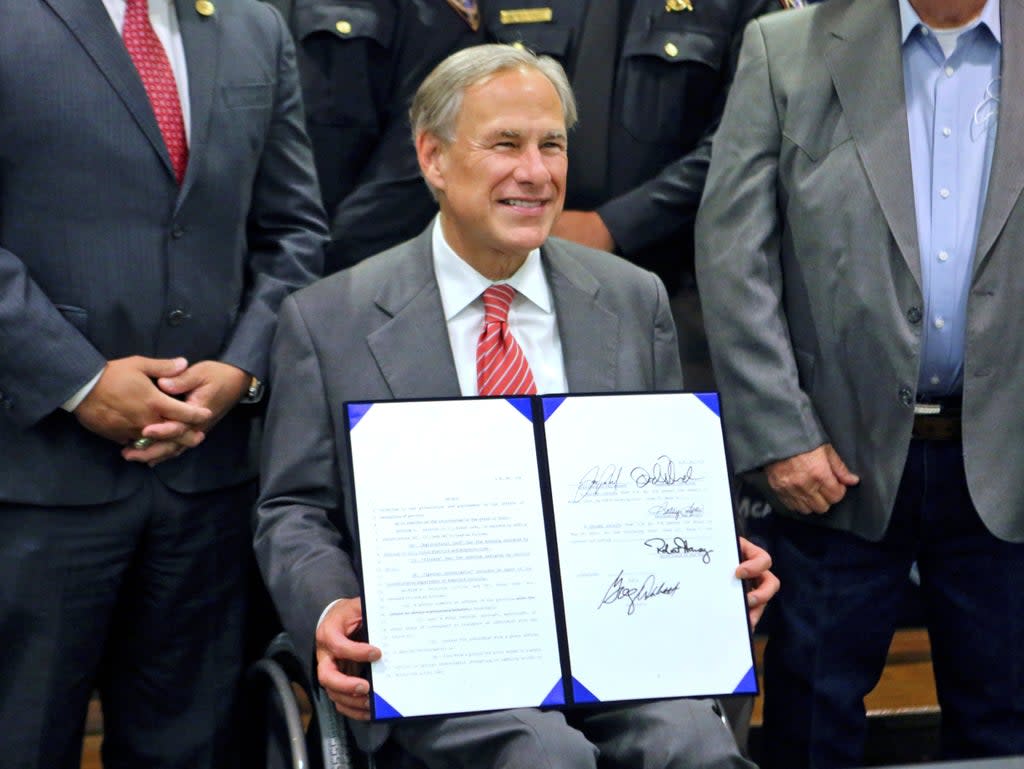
x=102, y=255
x=377, y=331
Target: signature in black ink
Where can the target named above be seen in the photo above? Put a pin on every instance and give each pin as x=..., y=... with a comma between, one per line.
x=667, y=511
x=678, y=546
x=617, y=591
x=662, y=473
x=596, y=480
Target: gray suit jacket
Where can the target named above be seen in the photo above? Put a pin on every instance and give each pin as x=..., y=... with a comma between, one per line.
x=377, y=331
x=809, y=269
x=102, y=255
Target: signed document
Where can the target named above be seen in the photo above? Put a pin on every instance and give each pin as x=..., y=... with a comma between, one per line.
x=546, y=551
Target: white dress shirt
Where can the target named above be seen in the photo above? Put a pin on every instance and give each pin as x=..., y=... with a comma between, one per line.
x=531, y=318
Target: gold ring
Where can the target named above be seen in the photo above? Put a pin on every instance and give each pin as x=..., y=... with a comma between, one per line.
x=142, y=443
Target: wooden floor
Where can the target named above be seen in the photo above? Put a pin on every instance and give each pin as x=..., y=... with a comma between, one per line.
x=906, y=691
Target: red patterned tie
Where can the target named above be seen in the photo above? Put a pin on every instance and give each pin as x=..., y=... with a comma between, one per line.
x=501, y=367
x=154, y=68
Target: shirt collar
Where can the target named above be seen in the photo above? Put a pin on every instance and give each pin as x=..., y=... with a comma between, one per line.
x=989, y=17
x=460, y=284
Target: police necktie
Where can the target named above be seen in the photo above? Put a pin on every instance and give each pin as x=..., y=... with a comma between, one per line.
x=150, y=59
x=501, y=366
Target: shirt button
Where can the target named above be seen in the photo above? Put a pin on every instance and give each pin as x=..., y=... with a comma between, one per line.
x=177, y=231
x=949, y=71
x=176, y=317
x=947, y=131
x=934, y=380
x=939, y=323
x=943, y=256
x=944, y=193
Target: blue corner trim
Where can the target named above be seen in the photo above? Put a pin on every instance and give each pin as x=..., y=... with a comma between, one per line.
x=523, y=406
x=356, y=411
x=748, y=685
x=556, y=696
x=381, y=708
x=711, y=401
x=550, y=404
x=580, y=693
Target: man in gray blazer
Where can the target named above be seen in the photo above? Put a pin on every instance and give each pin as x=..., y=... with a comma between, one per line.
x=859, y=259
x=490, y=125
x=139, y=288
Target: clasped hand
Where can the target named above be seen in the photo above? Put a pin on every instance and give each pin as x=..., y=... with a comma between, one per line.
x=163, y=399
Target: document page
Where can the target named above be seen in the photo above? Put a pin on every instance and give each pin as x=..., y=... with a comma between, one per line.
x=457, y=587
x=647, y=547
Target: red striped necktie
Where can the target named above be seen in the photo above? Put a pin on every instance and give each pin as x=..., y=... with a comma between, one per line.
x=501, y=366
x=150, y=59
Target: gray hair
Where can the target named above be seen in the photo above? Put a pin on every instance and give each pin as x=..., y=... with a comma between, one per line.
x=438, y=100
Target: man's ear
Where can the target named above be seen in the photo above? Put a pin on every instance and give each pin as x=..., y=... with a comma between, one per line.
x=429, y=152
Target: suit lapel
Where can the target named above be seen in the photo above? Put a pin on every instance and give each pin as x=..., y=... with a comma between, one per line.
x=90, y=23
x=1007, y=178
x=874, y=105
x=200, y=36
x=589, y=332
x=412, y=350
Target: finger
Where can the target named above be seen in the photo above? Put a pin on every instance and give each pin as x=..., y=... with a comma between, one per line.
x=155, y=452
x=754, y=565
x=182, y=411
x=155, y=368
x=763, y=590
x=177, y=432
x=842, y=472
x=184, y=382
x=338, y=684
x=833, y=492
x=357, y=714
x=343, y=648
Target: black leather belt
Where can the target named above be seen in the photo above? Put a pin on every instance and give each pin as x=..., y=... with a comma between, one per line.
x=938, y=420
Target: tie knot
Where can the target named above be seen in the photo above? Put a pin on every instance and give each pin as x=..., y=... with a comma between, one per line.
x=497, y=300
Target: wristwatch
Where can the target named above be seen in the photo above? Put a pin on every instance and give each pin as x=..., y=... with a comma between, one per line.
x=254, y=393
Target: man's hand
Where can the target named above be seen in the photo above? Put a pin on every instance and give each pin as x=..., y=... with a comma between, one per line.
x=210, y=385
x=125, y=400
x=811, y=482
x=756, y=567
x=585, y=228
x=340, y=659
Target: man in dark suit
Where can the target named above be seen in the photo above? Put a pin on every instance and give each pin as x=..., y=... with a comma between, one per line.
x=157, y=202
x=491, y=127
x=859, y=255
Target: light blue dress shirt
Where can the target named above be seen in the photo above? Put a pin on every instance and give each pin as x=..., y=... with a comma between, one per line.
x=952, y=104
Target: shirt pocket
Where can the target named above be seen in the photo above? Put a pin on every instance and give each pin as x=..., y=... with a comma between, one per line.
x=670, y=83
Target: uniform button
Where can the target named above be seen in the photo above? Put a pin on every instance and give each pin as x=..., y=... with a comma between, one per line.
x=344, y=27
x=518, y=45
x=177, y=231
x=914, y=314
x=671, y=50
x=940, y=323
x=906, y=396
x=943, y=256
x=176, y=317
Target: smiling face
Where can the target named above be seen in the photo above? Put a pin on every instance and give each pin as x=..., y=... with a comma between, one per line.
x=501, y=180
